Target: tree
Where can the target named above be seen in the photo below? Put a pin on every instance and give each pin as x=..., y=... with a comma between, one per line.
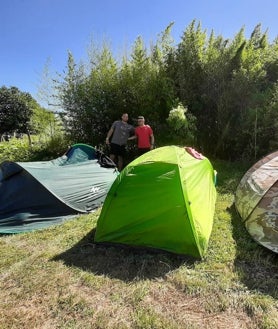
x=15, y=110
x=229, y=87
x=189, y=61
x=45, y=123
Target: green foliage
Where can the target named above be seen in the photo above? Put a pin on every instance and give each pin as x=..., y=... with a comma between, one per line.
x=46, y=149
x=41, y=120
x=51, y=148
x=20, y=113
x=93, y=101
x=182, y=125
x=15, y=150
x=177, y=119
x=228, y=85
x=15, y=110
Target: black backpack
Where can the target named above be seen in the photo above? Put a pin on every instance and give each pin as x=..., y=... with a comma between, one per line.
x=104, y=160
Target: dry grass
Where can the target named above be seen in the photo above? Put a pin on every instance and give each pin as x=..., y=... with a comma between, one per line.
x=57, y=278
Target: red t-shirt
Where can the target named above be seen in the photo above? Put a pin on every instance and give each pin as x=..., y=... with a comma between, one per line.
x=143, y=134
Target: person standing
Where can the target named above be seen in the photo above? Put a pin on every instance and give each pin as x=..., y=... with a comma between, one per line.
x=144, y=135
x=120, y=132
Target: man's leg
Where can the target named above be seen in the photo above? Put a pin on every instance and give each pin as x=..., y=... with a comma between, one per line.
x=120, y=162
x=112, y=157
x=113, y=152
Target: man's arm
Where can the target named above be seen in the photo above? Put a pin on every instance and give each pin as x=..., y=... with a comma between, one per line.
x=109, y=134
x=152, y=141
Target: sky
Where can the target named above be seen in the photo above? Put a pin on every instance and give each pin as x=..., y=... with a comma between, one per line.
x=37, y=34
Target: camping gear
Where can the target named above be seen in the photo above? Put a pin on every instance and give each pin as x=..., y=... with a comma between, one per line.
x=256, y=200
x=164, y=199
x=35, y=195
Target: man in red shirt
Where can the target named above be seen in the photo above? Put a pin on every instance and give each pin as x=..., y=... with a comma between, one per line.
x=144, y=135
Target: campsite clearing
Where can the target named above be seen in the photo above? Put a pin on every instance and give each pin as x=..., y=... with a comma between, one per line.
x=56, y=278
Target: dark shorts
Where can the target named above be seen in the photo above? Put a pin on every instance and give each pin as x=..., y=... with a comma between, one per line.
x=117, y=149
x=143, y=150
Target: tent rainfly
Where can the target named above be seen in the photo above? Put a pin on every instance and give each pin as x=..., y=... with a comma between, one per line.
x=256, y=200
x=35, y=195
x=165, y=199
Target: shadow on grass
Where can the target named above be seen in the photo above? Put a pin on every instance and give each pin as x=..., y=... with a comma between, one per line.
x=124, y=263
x=258, y=265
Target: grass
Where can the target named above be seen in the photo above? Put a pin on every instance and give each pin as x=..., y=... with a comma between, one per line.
x=57, y=278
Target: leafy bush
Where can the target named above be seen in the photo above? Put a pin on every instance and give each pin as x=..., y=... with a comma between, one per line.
x=182, y=125
x=21, y=150
x=15, y=150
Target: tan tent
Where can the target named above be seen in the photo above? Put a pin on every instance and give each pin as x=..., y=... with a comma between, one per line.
x=256, y=200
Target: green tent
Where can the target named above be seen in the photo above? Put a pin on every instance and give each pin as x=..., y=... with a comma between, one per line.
x=35, y=195
x=165, y=199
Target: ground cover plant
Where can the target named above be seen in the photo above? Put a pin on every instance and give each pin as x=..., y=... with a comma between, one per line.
x=21, y=150
x=58, y=278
